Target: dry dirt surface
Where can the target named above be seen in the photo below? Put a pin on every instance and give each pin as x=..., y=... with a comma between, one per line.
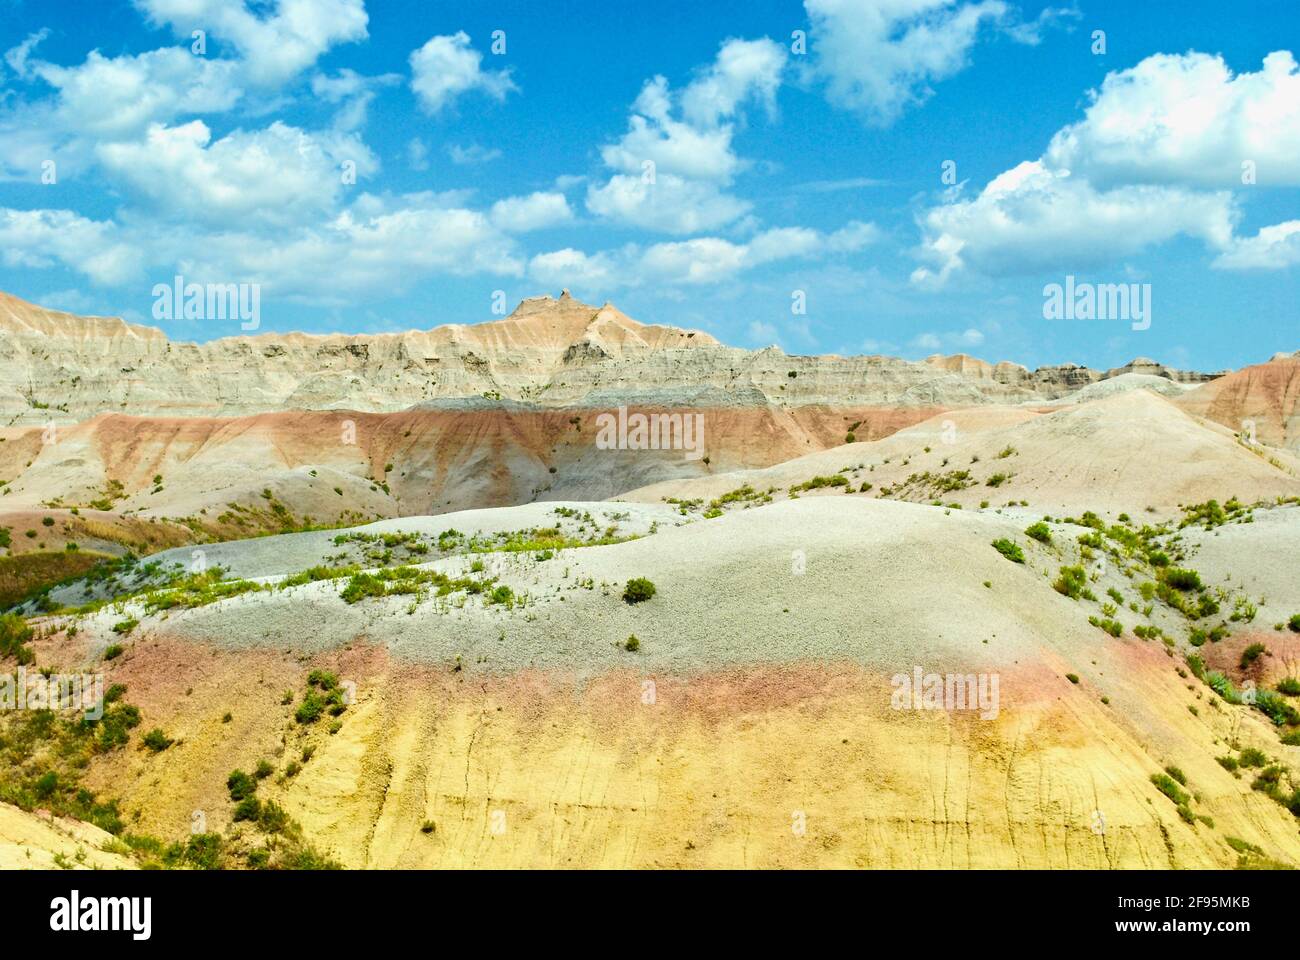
x=753, y=724
x=1124, y=452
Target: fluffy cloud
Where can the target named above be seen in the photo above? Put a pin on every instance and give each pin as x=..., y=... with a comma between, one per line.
x=1157, y=155
x=569, y=267
x=447, y=67
x=671, y=204
x=1272, y=248
x=276, y=175
x=533, y=212
x=42, y=238
x=121, y=96
x=879, y=57
x=674, y=162
x=744, y=69
x=375, y=246
x=1188, y=120
x=1033, y=217
x=273, y=49
x=700, y=260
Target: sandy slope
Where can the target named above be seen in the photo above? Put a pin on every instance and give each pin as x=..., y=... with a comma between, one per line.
x=1265, y=395
x=31, y=841
x=1124, y=452
x=771, y=697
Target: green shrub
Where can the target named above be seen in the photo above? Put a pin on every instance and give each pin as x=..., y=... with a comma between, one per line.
x=311, y=708
x=1181, y=579
x=997, y=479
x=272, y=817
x=1113, y=627
x=157, y=741
x=1040, y=532
x=1251, y=654
x=113, y=651
x=1250, y=757
x=1072, y=582
x=1228, y=763
x=1166, y=785
x=264, y=770
x=1177, y=775
x=46, y=785
x=14, y=634
x=1275, y=707
x=1290, y=686
x=1072, y=677
x=1009, y=550
x=125, y=627
x=1294, y=623
x=240, y=785
x=322, y=678
x=638, y=590
x=632, y=645
x=247, y=809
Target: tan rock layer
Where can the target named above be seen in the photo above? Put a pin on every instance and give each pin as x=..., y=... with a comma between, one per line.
x=58, y=366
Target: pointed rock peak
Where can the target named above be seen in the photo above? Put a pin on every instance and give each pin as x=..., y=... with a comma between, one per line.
x=565, y=295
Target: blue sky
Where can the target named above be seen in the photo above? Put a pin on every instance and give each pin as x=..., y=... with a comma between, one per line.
x=775, y=168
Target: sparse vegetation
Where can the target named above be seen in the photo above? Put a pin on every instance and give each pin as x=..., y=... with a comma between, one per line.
x=156, y=740
x=1009, y=550
x=638, y=590
x=1039, y=531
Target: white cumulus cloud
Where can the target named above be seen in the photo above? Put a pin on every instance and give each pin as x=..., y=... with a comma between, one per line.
x=447, y=67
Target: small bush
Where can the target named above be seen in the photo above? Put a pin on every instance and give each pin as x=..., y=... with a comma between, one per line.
x=1177, y=775
x=272, y=817
x=14, y=634
x=1071, y=582
x=1181, y=579
x=264, y=770
x=240, y=785
x=125, y=627
x=1072, y=677
x=1289, y=686
x=1166, y=785
x=1009, y=550
x=1251, y=654
x=1040, y=532
x=632, y=645
x=113, y=651
x=323, y=679
x=1294, y=623
x=638, y=590
x=1250, y=757
x=157, y=741
x=247, y=809
x=310, y=709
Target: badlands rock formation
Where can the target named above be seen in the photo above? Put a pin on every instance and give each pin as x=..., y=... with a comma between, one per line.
x=468, y=681
x=549, y=353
